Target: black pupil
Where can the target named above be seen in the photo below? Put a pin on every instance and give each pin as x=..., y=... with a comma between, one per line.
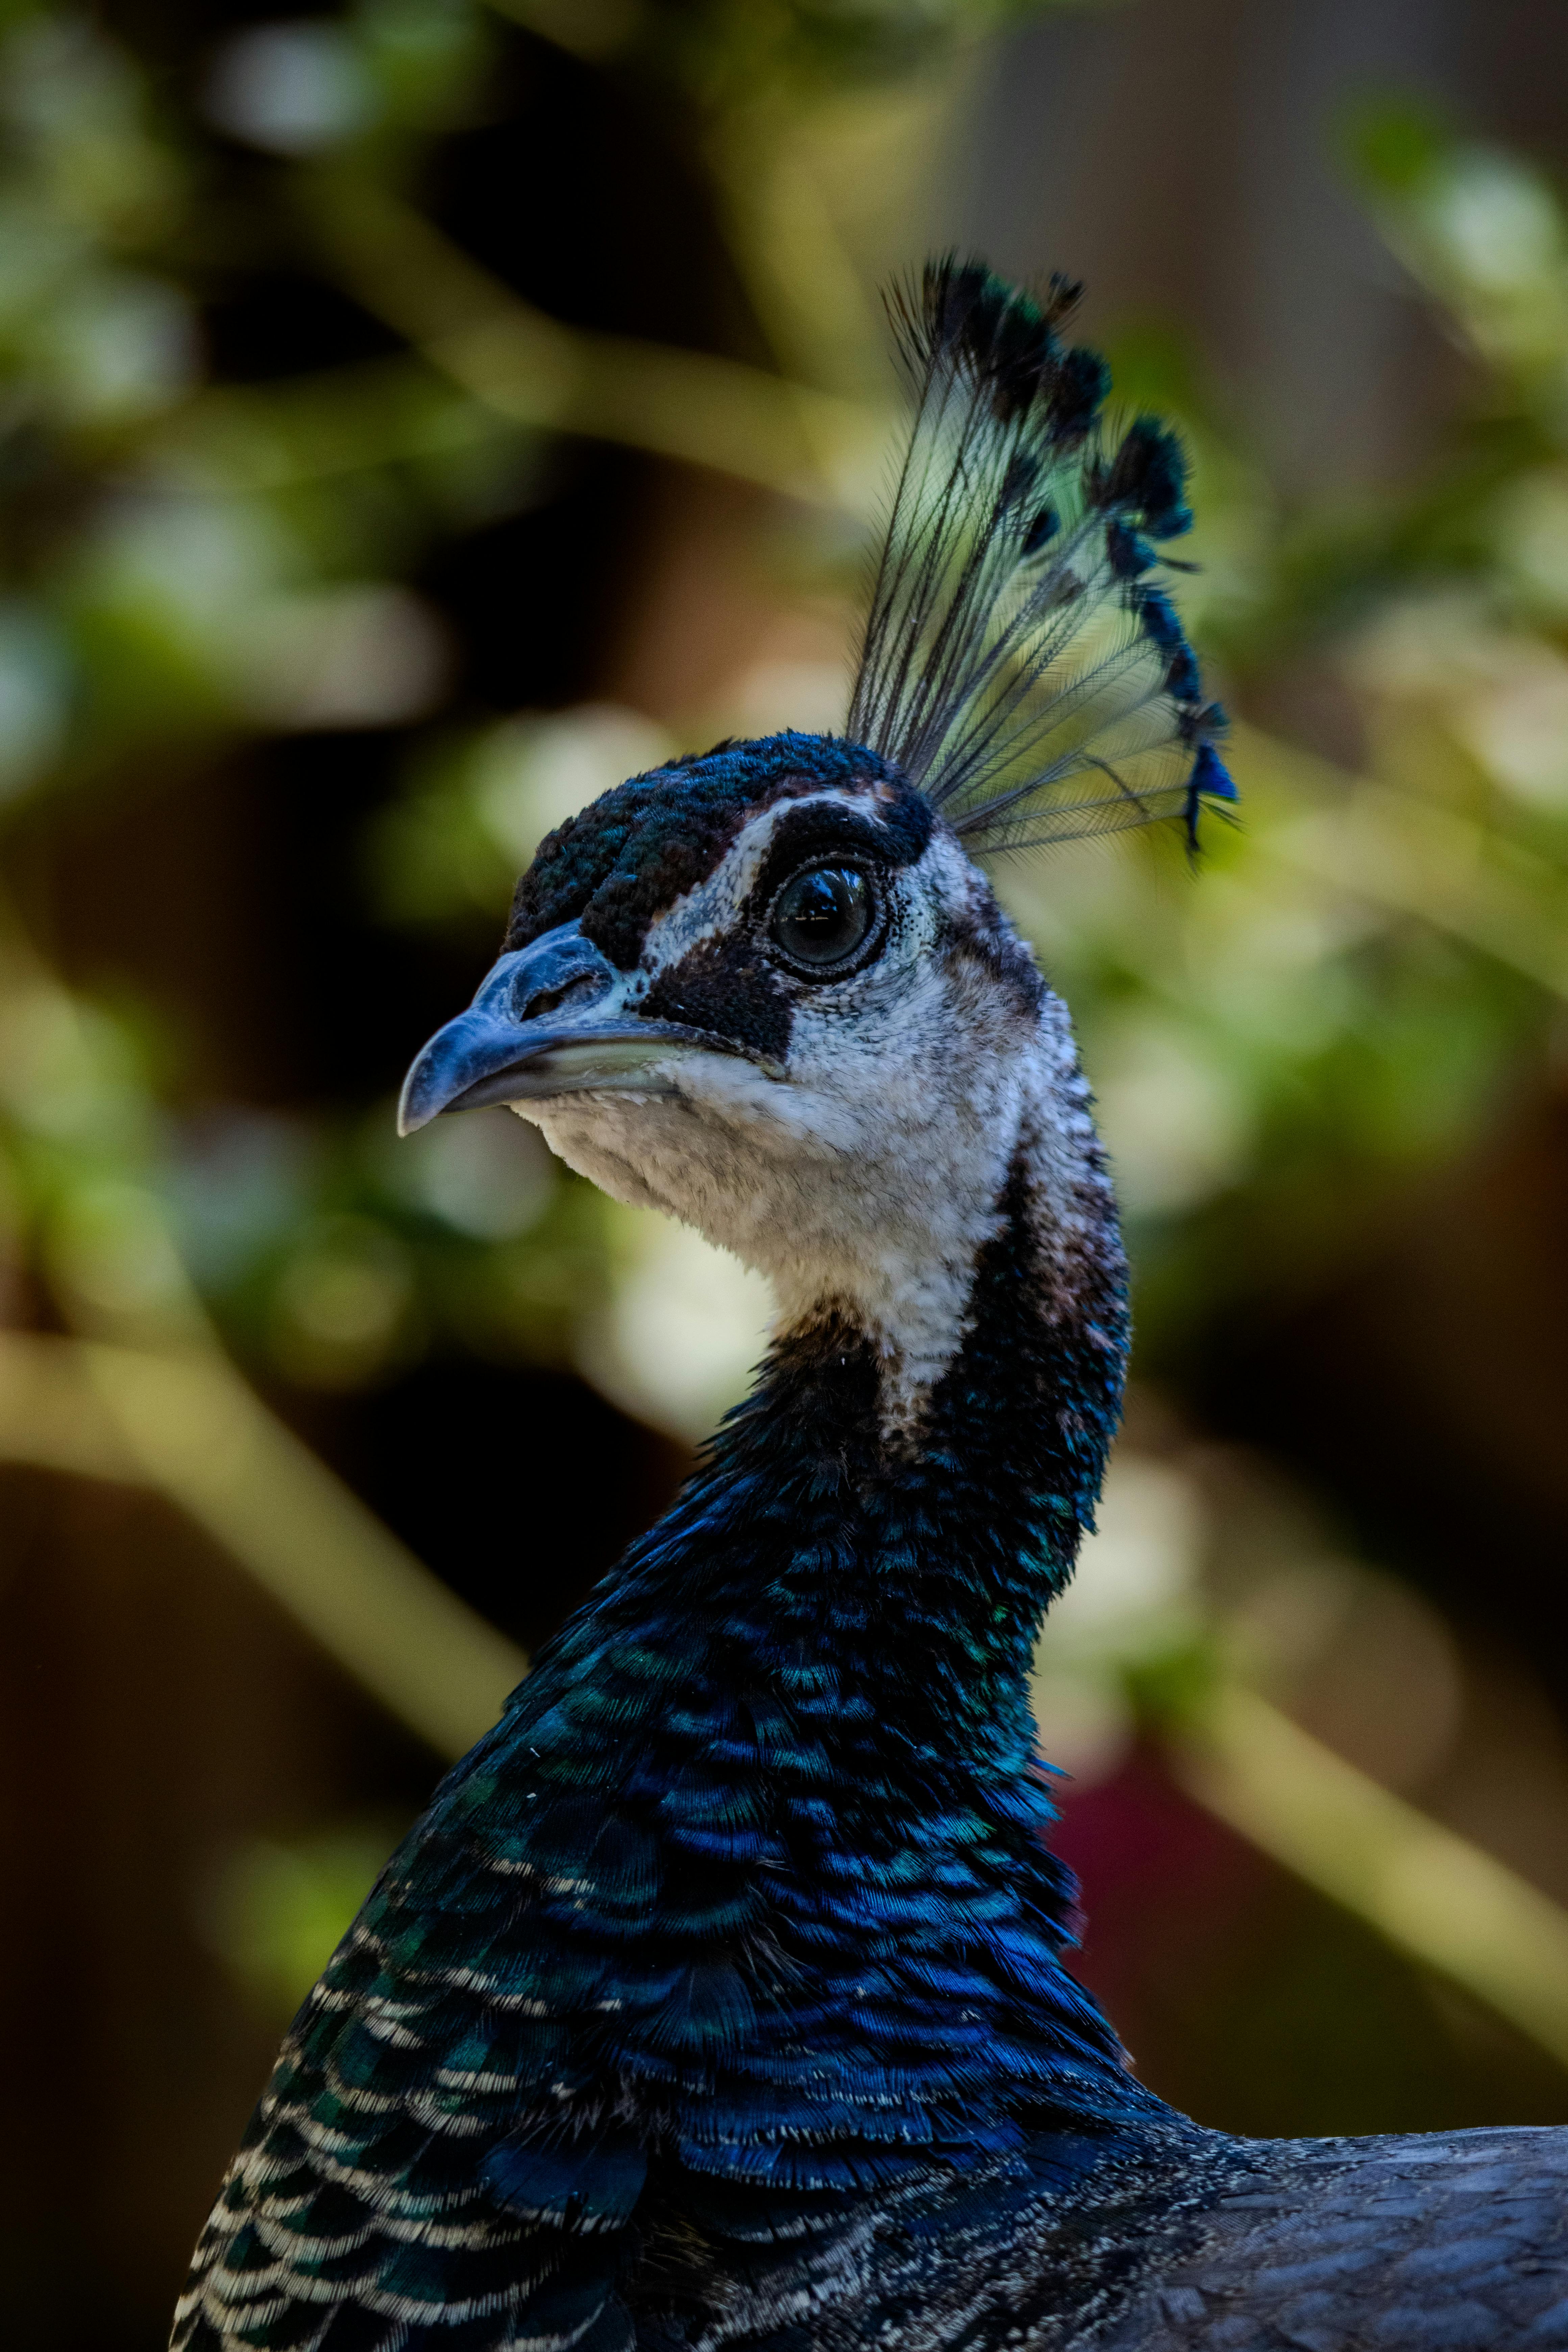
x=822, y=917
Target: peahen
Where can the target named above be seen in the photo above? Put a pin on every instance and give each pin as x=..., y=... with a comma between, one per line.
x=719, y=1998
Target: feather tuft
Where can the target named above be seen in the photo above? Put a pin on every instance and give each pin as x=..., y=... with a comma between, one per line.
x=1020, y=665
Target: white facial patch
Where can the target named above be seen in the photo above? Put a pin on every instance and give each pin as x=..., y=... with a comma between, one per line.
x=864, y=1175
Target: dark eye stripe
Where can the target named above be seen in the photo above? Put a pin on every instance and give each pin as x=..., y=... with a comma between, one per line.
x=728, y=985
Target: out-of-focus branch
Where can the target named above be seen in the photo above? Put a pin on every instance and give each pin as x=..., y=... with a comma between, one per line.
x=1413, y=856
x=300, y=431
x=526, y=366
x=190, y=1428
x=148, y=1396
x=1436, y=1896
x=786, y=245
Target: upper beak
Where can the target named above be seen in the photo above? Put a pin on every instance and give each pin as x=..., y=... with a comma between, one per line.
x=549, y=1019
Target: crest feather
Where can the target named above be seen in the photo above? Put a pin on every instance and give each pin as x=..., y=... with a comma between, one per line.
x=1022, y=663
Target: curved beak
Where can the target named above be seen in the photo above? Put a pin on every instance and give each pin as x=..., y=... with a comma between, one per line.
x=549, y=1019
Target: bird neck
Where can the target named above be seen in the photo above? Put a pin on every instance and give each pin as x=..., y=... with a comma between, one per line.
x=831, y=1633
x=950, y=1527
x=889, y=1579
x=807, y=1686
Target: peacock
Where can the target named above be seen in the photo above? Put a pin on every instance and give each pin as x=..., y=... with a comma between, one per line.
x=719, y=1997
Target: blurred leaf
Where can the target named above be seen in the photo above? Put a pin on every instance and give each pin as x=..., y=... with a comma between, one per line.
x=274, y=1910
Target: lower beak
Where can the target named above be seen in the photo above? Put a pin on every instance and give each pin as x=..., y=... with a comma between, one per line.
x=549, y=1019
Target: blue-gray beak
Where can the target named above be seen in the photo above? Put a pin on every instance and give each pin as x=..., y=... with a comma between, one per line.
x=549, y=1019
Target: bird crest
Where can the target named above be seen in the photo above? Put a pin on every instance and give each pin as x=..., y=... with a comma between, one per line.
x=1022, y=662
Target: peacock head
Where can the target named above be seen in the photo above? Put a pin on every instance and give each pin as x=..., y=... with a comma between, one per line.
x=770, y=990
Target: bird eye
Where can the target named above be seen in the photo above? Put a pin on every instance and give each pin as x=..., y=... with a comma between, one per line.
x=822, y=916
